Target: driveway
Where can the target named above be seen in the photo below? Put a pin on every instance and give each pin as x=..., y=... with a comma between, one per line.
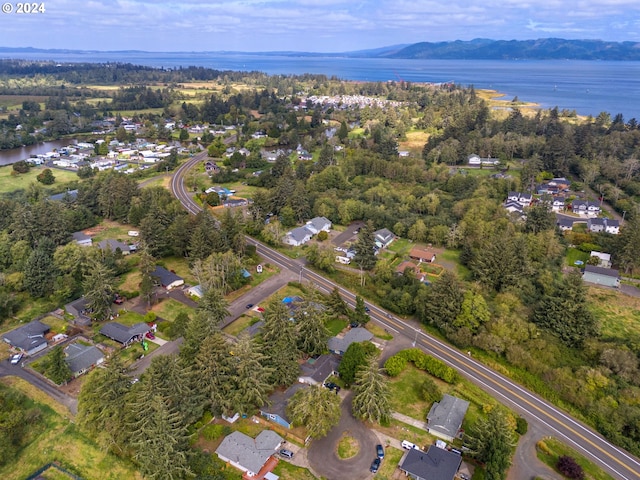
x=347, y=235
x=526, y=465
x=322, y=454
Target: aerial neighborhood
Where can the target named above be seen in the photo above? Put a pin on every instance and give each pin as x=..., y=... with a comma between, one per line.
x=233, y=275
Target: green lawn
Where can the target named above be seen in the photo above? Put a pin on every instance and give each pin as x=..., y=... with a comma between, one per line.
x=239, y=324
x=401, y=246
x=60, y=440
x=406, y=395
x=169, y=309
x=336, y=325
x=378, y=331
x=180, y=266
x=390, y=463
x=110, y=229
x=573, y=254
x=10, y=183
x=287, y=471
x=550, y=449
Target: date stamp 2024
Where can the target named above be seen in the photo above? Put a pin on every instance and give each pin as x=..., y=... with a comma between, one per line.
x=26, y=8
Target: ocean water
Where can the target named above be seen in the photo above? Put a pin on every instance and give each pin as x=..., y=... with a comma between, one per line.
x=588, y=87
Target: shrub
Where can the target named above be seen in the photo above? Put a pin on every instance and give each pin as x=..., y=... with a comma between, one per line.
x=214, y=431
x=395, y=365
x=569, y=468
x=322, y=236
x=542, y=446
x=21, y=167
x=521, y=426
x=430, y=391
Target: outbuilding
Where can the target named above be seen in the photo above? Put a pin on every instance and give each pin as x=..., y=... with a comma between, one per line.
x=601, y=276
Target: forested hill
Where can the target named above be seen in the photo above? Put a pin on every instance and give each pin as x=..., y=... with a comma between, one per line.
x=541, y=49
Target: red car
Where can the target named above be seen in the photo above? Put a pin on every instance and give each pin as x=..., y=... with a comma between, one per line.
x=150, y=335
x=118, y=299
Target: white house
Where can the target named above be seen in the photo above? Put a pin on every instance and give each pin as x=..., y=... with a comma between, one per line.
x=318, y=224
x=606, y=225
x=581, y=207
x=297, y=236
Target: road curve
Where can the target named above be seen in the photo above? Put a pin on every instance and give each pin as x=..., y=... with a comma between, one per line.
x=548, y=418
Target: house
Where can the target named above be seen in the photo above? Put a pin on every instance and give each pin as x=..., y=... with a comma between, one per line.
x=582, y=207
x=475, y=160
x=513, y=196
x=82, y=358
x=523, y=199
x=235, y=202
x=557, y=204
x=276, y=409
x=601, y=276
x=316, y=371
x=246, y=453
x=29, y=338
x=445, y=417
x=603, y=258
x=82, y=239
x=400, y=269
x=422, y=255
x=565, y=224
x=68, y=196
x=384, y=237
x=612, y=226
x=78, y=308
x=339, y=345
x=436, y=463
x=113, y=246
x=318, y=224
x=123, y=334
x=297, y=236
x=167, y=279
x=606, y=225
x=513, y=206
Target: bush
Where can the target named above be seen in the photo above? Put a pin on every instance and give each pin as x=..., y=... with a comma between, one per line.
x=430, y=391
x=21, y=167
x=521, y=426
x=214, y=431
x=429, y=364
x=395, y=365
x=322, y=236
x=569, y=468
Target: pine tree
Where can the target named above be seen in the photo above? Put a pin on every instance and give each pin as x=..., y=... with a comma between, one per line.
x=371, y=401
x=311, y=331
x=365, y=256
x=147, y=267
x=315, y=407
x=360, y=314
x=355, y=357
x=249, y=385
x=58, y=369
x=440, y=303
x=336, y=303
x=39, y=272
x=492, y=442
x=213, y=308
x=98, y=285
x=211, y=370
x=279, y=341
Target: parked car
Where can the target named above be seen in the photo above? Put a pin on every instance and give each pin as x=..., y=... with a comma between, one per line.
x=118, y=299
x=249, y=305
x=286, y=453
x=16, y=358
x=406, y=444
x=375, y=465
x=380, y=451
x=150, y=335
x=133, y=233
x=331, y=385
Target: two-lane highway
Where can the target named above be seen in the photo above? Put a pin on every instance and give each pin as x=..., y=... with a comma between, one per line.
x=614, y=460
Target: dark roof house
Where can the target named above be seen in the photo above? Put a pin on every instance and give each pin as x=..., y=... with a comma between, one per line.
x=276, y=410
x=113, y=245
x=29, y=338
x=316, y=371
x=434, y=464
x=339, y=345
x=601, y=276
x=123, y=334
x=81, y=239
x=78, y=308
x=384, y=237
x=166, y=278
x=81, y=358
x=445, y=417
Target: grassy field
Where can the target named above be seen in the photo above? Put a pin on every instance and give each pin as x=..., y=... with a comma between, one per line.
x=61, y=441
x=11, y=183
x=169, y=309
x=348, y=447
x=573, y=254
x=406, y=397
x=110, y=229
x=287, y=471
x=239, y=324
x=336, y=325
x=180, y=266
x=550, y=449
x=390, y=463
x=618, y=315
x=378, y=331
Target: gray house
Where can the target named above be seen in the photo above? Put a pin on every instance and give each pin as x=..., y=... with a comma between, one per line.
x=125, y=335
x=445, y=417
x=601, y=276
x=246, y=453
x=339, y=345
x=298, y=236
x=113, y=246
x=28, y=338
x=436, y=463
x=384, y=237
x=82, y=239
x=318, y=224
x=316, y=371
x=82, y=358
x=276, y=410
x=166, y=278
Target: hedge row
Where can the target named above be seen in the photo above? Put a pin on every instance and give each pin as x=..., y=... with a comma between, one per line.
x=397, y=363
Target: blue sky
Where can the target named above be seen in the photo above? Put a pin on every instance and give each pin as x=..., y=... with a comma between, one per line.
x=309, y=25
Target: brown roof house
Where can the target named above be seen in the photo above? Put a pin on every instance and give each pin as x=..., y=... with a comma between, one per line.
x=424, y=255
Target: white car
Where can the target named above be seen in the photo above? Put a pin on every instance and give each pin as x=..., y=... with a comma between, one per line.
x=133, y=233
x=16, y=358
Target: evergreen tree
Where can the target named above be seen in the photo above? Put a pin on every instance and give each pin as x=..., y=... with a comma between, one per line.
x=629, y=242
x=343, y=131
x=249, y=386
x=315, y=407
x=336, y=303
x=355, y=357
x=360, y=314
x=565, y=312
x=492, y=442
x=279, y=342
x=98, y=286
x=147, y=267
x=211, y=371
x=311, y=331
x=440, y=303
x=40, y=272
x=371, y=401
x=58, y=369
x=102, y=401
x=213, y=308
x=365, y=256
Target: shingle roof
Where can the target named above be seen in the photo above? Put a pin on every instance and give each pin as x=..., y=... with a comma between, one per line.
x=446, y=416
x=354, y=335
x=299, y=234
x=244, y=450
x=120, y=333
x=434, y=464
x=113, y=245
x=609, y=272
x=164, y=276
x=81, y=357
x=321, y=368
x=279, y=400
x=29, y=336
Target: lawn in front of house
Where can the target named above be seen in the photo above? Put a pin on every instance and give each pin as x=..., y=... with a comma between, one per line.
x=335, y=325
x=406, y=393
x=573, y=255
x=61, y=441
x=378, y=331
x=392, y=457
x=169, y=309
x=288, y=471
x=180, y=266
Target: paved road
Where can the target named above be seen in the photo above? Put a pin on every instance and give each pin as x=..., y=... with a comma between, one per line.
x=526, y=465
x=6, y=369
x=322, y=453
x=541, y=414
